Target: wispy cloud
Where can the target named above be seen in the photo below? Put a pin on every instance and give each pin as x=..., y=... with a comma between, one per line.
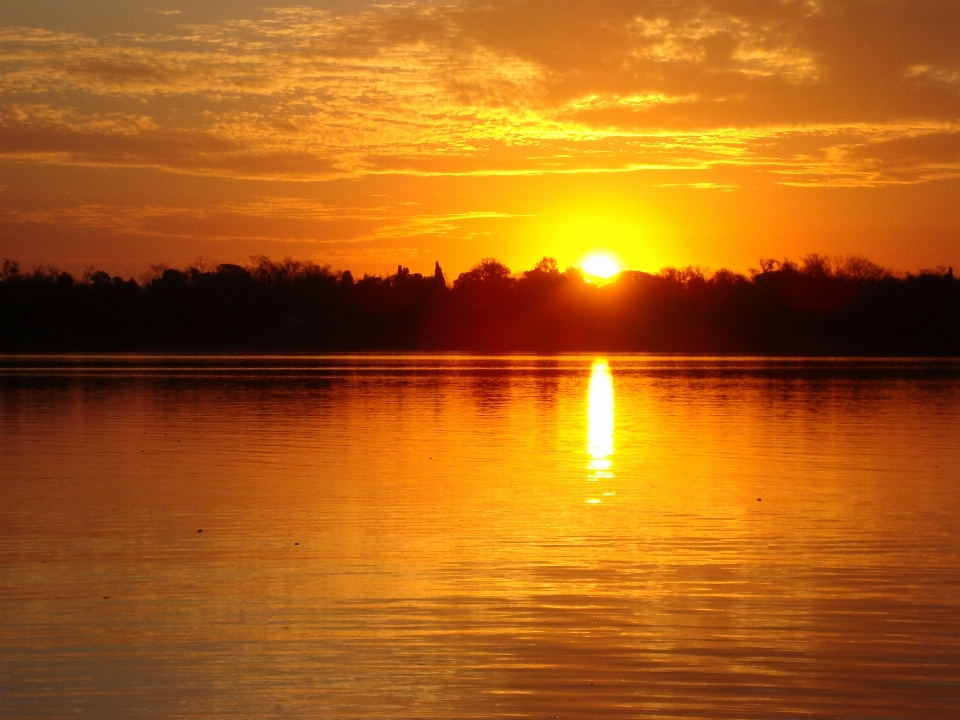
x=274, y=219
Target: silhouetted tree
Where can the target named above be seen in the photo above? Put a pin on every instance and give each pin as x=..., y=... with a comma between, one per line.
x=821, y=306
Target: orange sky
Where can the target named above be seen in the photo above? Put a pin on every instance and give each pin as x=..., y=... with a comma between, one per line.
x=363, y=134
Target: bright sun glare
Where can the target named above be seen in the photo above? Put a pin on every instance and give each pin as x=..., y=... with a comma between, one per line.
x=600, y=265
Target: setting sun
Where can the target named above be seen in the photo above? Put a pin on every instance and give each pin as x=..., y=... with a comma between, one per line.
x=600, y=265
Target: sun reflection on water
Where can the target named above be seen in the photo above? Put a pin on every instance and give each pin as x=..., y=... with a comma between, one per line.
x=600, y=422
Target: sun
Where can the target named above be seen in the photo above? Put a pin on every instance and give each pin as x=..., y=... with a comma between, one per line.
x=600, y=265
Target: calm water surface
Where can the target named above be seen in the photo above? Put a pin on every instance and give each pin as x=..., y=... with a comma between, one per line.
x=447, y=537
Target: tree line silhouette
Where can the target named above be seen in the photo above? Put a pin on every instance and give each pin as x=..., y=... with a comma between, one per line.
x=820, y=306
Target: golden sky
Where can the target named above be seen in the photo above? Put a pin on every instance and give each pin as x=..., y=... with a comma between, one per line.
x=364, y=135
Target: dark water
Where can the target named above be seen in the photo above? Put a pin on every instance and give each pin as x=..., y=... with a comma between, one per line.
x=437, y=537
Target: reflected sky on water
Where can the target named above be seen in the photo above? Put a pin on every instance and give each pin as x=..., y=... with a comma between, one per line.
x=413, y=537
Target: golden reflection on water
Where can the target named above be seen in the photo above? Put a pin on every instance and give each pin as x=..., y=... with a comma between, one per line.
x=412, y=537
x=600, y=424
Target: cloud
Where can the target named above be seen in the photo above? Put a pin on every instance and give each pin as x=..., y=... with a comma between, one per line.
x=908, y=160
x=275, y=219
x=798, y=91
x=950, y=76
x=699, y=186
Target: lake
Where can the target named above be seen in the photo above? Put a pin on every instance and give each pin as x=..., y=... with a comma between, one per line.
x=479, y=537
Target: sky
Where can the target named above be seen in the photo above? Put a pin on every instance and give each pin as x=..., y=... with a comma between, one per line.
x=365, y=135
